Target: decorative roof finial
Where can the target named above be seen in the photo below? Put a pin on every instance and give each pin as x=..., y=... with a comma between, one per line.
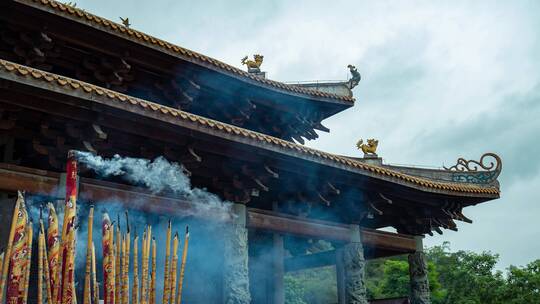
x=125, y=22
x=253, y=65
x=353, y=82
x=72, y=4
x=369, y=149
x=477, y=171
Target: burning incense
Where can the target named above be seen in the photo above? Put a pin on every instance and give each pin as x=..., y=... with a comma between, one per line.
x=87, y=278
x=183, y=266
x=68, y=276
x=144, y=280
x=47, y=273
x=117, y=264
x=41, y=250
x=1, y=262
x=29, y=239
x=166, y=282
x=7, y=257
x=122, y=274
x=153, y=279
x=174, y=271
x=94, y=277
x=125, y=271
x=108, y=260
x=53, y=243
x=67, y=252
x=17, y=258
x=135, y=291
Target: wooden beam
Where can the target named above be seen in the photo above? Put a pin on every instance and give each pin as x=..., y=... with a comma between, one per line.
x=13, y=178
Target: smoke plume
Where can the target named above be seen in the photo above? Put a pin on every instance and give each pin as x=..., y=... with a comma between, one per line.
x=158, y=176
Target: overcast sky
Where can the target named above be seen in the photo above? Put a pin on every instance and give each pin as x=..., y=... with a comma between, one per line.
x=440, y=80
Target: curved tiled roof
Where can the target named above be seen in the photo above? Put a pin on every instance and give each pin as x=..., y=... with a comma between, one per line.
x=110, y=26
x=248, y=136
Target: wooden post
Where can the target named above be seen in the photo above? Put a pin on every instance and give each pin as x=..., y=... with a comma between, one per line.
x=418, y=275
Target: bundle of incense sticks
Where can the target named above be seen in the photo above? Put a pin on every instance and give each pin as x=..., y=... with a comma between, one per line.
x=15, y=267
x=56, y=258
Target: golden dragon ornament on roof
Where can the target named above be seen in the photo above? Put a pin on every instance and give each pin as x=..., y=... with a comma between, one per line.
x=370, y=148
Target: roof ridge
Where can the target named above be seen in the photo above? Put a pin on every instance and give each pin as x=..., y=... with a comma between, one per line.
x=200, y=58
x=237, y=131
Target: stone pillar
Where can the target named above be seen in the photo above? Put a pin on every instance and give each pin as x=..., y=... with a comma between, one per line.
x=236, y=273
x=353, y=269
x=418, y=274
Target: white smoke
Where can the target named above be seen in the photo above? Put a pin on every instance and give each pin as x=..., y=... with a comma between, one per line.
x=158, y=176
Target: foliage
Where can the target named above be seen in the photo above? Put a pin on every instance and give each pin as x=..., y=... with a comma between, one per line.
x=460, y=277
x=313, y=286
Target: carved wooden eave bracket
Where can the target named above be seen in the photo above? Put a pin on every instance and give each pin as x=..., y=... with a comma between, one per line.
x=22, y=75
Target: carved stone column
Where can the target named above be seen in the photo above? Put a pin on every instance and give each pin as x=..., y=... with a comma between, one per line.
x=418, y=275
x=353, y=269
x=236, y=274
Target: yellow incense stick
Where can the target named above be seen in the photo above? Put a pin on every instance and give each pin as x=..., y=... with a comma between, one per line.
x=41, y=243
x=29, y=237
x=183, y=266
x=153, y=278
x=118, y=265
x=1, y=261
x=125, y=264
x=135, y=290
x=47, y=273
x=3, y=278
x=173, y=275
x=94, y=275
x=87, y=299
x=166, y=282
x=144, y=279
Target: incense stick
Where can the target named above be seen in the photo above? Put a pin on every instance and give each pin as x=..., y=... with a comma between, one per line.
x=174, y=271
x=53, y=244
x=41, y=249
x=108, y=260
x=87, y=279
x=183, y=266
x=125, y=264
x=166, y=282
x=17, y=259
x=153, y=278
x=29, y=239
x=7, y=257
x=118, y=264
x=47, y=273
x=94, y=276
x=135, y=291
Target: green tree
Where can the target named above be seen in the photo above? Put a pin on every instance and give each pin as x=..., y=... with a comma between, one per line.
x=467, y=277
x=523, y=284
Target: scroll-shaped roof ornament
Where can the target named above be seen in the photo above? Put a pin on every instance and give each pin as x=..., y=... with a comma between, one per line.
x=473, y=171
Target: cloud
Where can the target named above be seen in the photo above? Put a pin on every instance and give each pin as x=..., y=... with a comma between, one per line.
x=440, y=80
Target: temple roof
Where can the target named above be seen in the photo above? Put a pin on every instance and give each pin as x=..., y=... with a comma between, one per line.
x=421, y=181
x=186, y=54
